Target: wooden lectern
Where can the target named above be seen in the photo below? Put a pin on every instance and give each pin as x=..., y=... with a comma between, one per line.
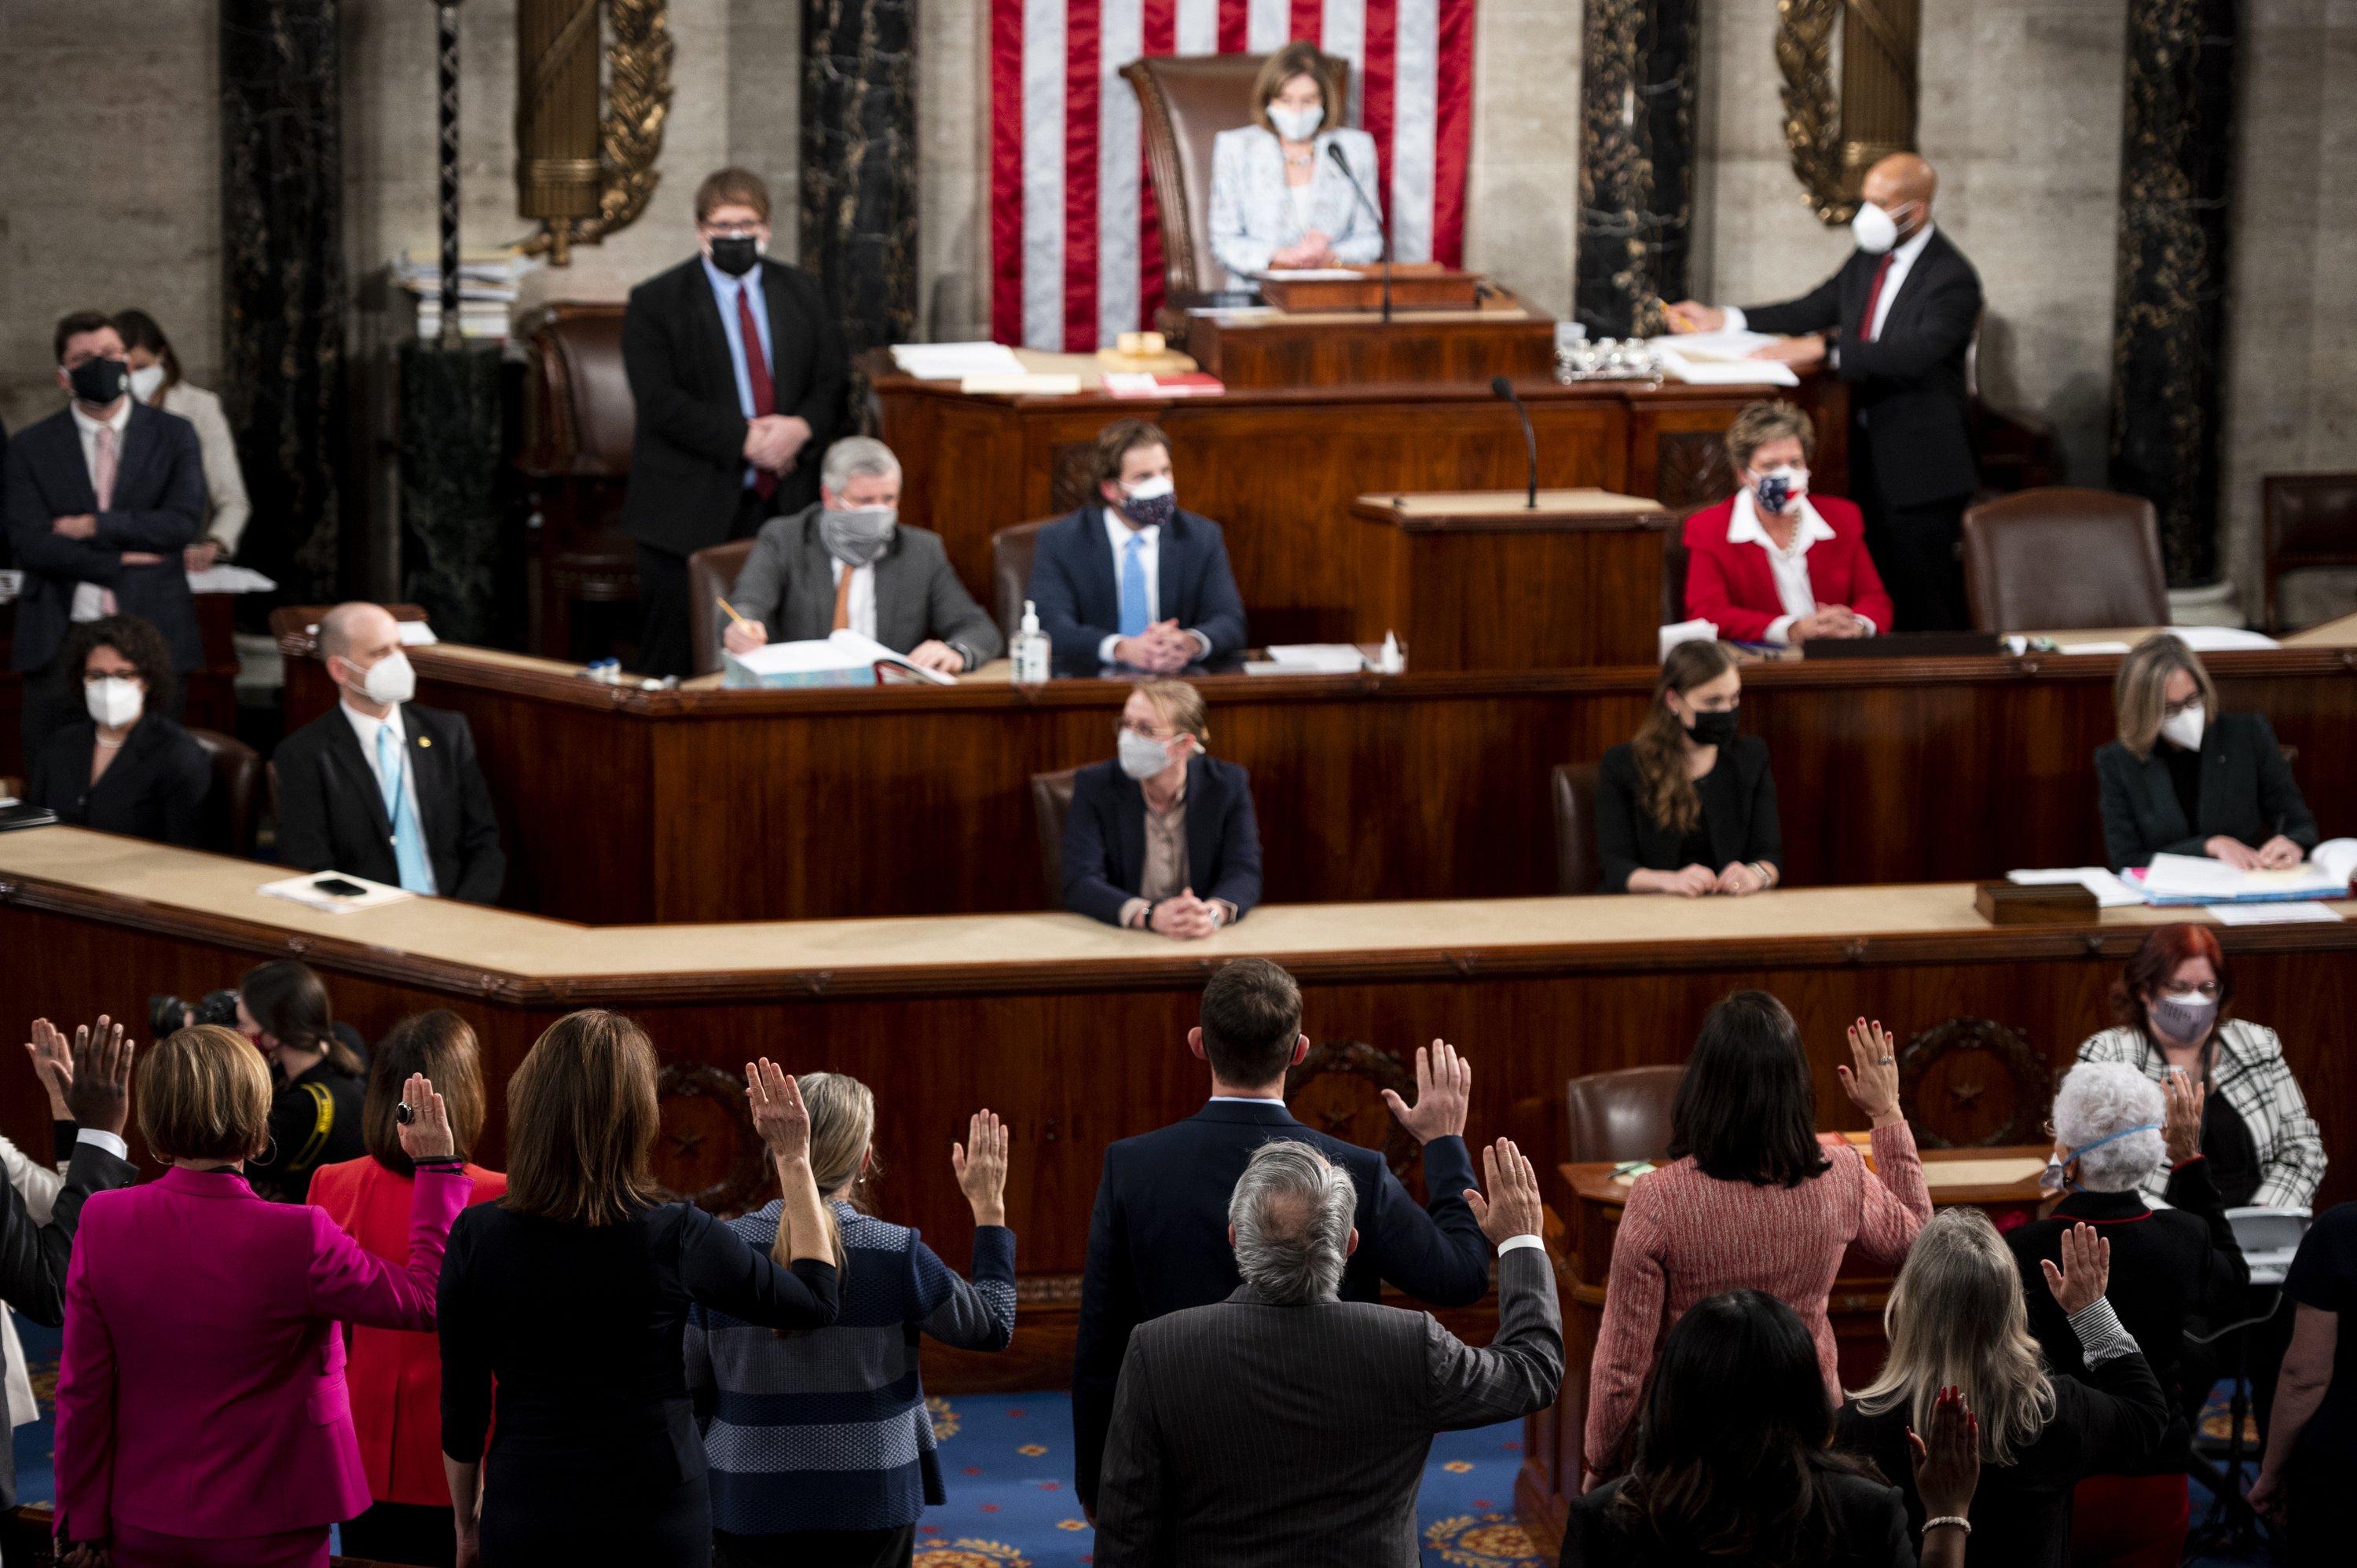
x=1479, y=580
x=1341, y=341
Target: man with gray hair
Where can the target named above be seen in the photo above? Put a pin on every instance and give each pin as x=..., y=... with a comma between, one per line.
x=1285, y=1426
x=848, y=563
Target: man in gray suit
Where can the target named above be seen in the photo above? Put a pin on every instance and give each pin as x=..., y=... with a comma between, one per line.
x=849, y=561
x=1285, y=1427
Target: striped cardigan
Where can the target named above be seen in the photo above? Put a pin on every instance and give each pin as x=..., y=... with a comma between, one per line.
x=2251, y=1075
x=828, y=1430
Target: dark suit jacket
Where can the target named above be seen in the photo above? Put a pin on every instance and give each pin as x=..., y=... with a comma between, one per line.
x=1908, y=386
x=1079, y=598
x=154, y=787
x=1739, y=812
x=687, y=460
x=1158, y=1239
x=1257, y=1435
x=788, y=585
x=331, y=814
x=1105, y=838
x=160, y=508
x=2247, y=792
x=1870, y=1531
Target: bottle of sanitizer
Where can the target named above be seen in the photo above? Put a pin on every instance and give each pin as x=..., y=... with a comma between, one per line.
x=1030, y=649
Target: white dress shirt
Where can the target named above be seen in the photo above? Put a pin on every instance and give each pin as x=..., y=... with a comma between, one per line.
x=862, y=609
x=1118, y=533
x=365, y=728
x=89, y=602
x=1789, y=567
x=1903, y=262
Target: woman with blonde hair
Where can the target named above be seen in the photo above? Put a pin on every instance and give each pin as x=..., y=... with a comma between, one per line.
x=573, y=1292
x=762, y=1401
x=1957, y=1320
x=2184, y=779
x=1688, y=807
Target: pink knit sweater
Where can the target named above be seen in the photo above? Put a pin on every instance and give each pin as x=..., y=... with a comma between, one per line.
x=1685, y=1236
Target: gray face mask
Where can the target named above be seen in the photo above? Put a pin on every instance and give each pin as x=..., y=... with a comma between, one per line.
x=2182, y=1016
x=1142, y=757
x=856, y=537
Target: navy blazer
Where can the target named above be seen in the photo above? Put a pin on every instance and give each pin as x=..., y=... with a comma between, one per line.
x=1105, y=838
x=2247, y=793
x=1158, y=1240
x=1738, y=814
x=159, y=509
x=331, y=814
x=1079, y=599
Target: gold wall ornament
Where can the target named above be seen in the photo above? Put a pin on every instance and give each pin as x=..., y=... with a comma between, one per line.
x=583, y=187
x=1834, y=138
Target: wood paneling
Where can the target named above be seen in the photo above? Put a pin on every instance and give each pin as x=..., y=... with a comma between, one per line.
x=1257, y=354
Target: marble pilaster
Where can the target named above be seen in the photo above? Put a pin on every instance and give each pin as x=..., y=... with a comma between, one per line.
x=1637, y=152
x=859, y=164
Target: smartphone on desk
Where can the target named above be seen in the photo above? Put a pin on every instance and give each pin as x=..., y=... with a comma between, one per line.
x=338, y=888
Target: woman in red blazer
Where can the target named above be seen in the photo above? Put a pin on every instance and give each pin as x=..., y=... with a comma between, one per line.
x=1773, y=563
x=395, y=1375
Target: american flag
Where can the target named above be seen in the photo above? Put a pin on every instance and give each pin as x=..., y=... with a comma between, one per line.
x=1076, y=253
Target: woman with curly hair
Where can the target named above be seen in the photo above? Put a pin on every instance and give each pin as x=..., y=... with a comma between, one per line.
x=128, y=768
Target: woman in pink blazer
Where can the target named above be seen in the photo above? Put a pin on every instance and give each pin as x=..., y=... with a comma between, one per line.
x=1773, y=563
x=203, y=1420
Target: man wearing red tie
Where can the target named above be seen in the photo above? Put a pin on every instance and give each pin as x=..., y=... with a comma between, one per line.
x=1895, y=323
x=739, y=373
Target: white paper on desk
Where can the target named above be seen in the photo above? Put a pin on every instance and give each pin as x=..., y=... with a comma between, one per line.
x=2199, y=877
x=2110, y=892
x=1313, y=274
x=2336, y=857
x=955, y=361
x=1686, y=631
x=227, y=579
x=1021, y=383
x=415, y=633
x=2221, y=638
x=1317, y=658
x=304, y=890
x=2273, y=913
x=1725, y=372
x=2096, y=647
x=1721, y=345
x=845, y=653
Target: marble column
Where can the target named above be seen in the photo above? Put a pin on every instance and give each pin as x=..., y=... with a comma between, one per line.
x=1636, y=167
x=283, y=284
x=2167, y=325
x=859, y=164
x=451, y=538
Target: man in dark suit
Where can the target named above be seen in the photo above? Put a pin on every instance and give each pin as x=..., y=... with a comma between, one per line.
x=102, y=497
x=1158, y=1240
x=1161, y=820
x=379, y=788
x=1284, y=1424
x=848, y=561
x=738, y=373
x=1130, y=579
x=1895, y=323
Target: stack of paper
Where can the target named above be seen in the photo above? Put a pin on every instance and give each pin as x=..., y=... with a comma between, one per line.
x=2201, y=638
x=1687, y=632
x=316, y=890
x=488, y=285
x=955, y=361
x=1721, y=359
x=2110, y=892
x=228, y=579
x=2197, y=879
x=1309, y=659
x=844, y=658
x=1718, y=345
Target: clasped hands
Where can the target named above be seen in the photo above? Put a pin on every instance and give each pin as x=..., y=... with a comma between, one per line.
x=1184, y=917
x=2278, y=853
x=1161, y=648
x=1312, y=250
x=1738, y=879
x=1693, y=316
x=772, y=441
x=1829, y=620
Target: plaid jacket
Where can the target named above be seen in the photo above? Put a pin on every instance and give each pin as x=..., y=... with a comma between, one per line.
x=2251, y=1075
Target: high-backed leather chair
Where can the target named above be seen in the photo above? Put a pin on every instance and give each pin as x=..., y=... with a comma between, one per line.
x=1051, y=802
x=2311, y=521
x=1621, y=1116
x=1012, y=550
x=579, y=422
x=1674, y=574
x=230, y=819
x=2059, y=560
x=1577, y=866
x=1183, y=102
x=711, y=575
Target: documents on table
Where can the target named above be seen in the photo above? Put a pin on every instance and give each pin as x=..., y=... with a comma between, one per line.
x=2197, y=879
x=335, y=892
x=842, y=658
x=955, y=361
x=1721, y=359
x=1313, y=274
x=1726, y=344
x=1687, y=632
x=2200, y=639
x=2110, y=892
x=2301, y=912
x=227, y=579
x=415, y=633
x=1309, y=659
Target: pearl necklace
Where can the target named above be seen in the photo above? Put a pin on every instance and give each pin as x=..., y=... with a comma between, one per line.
x=113, y=744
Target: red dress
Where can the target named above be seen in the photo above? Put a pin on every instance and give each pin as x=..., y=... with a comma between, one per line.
x=396, y=1376
x=1731, y=586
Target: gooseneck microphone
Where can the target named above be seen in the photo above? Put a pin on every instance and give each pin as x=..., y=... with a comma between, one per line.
x=1334, y=151
x=1500, y=387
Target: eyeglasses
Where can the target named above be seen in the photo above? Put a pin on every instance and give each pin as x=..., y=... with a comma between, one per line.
x=2207, y=990
x=733, y=230
x=2170, y=710
x=1135, y=727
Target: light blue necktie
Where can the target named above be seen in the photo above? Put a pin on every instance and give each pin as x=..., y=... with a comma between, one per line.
x=408, y=843
x=1133, y=610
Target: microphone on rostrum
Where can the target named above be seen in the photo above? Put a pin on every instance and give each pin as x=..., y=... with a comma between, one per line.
x=1500, y=387
x=1334, y=151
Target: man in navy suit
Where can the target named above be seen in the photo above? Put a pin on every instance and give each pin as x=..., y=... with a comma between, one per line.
x=1161, y=820
x=1158, y=1240
x=101, y=498
x=1131, y=579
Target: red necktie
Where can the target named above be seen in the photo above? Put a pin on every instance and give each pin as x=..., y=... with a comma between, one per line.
x=1873, y=298
x=757, y=371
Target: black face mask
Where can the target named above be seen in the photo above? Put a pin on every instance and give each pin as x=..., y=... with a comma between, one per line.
x=99, y=381
x=1712, y=729
x=734, y=254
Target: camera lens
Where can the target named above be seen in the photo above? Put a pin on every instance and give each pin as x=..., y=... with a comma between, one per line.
x=166, y=1015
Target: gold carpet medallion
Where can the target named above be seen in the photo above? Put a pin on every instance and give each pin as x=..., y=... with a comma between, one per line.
x=1482, y=1541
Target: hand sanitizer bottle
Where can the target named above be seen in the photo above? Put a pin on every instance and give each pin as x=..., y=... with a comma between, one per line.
x=1389, y=661
x=1030, y=649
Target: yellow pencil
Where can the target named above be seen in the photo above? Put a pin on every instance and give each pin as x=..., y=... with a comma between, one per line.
x=725, y=605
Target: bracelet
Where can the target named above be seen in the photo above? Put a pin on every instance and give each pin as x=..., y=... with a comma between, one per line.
x=1766, y=881
x=1959, y=1520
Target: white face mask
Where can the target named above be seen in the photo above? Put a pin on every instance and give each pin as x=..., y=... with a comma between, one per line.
x=1296, y=125
x=1142, y=756
x=390, y=680
x=145, y=382
x=2184, y=727
x=1873, y=229
x=113, y=700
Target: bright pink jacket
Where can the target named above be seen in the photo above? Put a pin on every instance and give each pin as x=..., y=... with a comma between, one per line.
x=201, y=1391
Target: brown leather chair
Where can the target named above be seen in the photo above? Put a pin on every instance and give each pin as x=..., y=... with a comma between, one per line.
x=1577, y=866
x=1051, y=802
x=1621, y=1116
x=1011, y=553
x=1183, y=102
x=579, y=422
x=230, y=820
x=2311, y=520
x=2059, y=560
x=711, y=575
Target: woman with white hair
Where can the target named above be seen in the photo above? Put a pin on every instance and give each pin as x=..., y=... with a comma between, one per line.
x=2178, y=1268
x=1957, y=1320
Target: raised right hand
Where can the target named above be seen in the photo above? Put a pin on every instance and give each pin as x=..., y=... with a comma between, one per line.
x=2233, y=850
x=1444, y=1091
x=1693, y=316
x=744, y=636
x=1947, y=1466
x=53, y=1065
x=101, y=1094
x=2182, y=1129
x=1511, y=1209
x=1872, y=1081
x=779, y=1114
x=2086, y=1269
x=981, y=1165
x=426, y=1134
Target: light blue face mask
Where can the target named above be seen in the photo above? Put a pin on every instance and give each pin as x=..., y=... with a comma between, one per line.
x=2051, y=1178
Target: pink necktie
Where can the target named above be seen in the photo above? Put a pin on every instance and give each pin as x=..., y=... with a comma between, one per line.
x=102, y=479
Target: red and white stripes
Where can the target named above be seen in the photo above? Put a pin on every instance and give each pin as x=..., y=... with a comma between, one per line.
x=1076, y=250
